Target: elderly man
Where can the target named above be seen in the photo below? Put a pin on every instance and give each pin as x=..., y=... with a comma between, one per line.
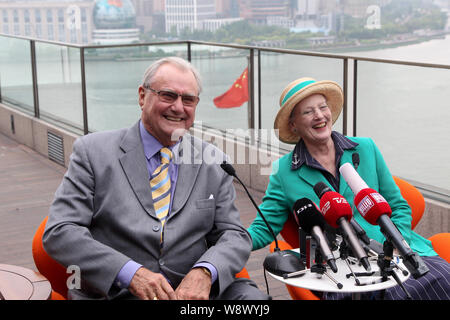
x=141, y=219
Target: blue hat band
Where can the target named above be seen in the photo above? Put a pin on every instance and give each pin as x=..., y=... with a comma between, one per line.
x=295, y=89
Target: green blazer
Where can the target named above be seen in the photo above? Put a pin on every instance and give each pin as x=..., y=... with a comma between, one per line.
x=286, y=186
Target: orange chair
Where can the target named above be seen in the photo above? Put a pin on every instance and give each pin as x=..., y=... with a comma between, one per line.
x=440, y=241
x=49, y=268
x=441, y=244
x=290, y=231
x=414, y=198
x=243, y=274
x=56, y=273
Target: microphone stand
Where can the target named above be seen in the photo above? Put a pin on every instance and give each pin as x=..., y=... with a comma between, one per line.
x=386, y=264
x=344, y=253
x=321, y=269
x=279, y=262
x=386, y=268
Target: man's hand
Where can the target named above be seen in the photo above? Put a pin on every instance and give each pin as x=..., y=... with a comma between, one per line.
x=196, y=285
x=148, y=285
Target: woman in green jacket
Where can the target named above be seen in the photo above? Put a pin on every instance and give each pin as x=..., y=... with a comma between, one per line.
x=308, y=110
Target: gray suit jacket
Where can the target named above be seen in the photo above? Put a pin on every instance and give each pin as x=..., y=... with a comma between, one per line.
x=103, y=216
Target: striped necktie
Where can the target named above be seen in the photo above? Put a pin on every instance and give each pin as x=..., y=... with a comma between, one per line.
x=160, y=185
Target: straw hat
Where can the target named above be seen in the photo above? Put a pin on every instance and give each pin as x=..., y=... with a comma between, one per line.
x=295, y=92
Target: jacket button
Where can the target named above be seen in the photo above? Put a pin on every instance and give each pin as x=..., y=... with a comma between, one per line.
x=161, y=262
x=156, y=228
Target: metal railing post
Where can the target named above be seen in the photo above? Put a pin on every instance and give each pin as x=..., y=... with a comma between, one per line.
x=251, y=88
x=259, y=91
x=355, y=86
x=189, y=54
x=345, y=89
x=0, y=89
x=83, y=92
x=34, y=78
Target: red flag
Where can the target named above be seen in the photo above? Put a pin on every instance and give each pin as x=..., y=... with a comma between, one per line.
x=236, y=95
x=115, y=3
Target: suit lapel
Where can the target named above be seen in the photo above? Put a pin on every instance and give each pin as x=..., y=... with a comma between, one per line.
x=187, y=174
x=190, y=160
x=312, y=176
x=346, y=157
x=135, y=168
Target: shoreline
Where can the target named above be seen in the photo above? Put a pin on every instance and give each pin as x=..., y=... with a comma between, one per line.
x=377, y=46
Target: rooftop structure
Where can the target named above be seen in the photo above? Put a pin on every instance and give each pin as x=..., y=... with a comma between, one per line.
x=61, y=21
x=115, y=22
x=188, y=14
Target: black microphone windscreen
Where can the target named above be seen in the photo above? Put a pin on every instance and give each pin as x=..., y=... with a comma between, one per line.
x=228, y=168
x=355, y=160
x=320, y=188
x=307, y=215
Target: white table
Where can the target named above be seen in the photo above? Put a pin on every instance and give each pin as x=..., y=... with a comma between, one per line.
x=317, y=282
x=18, y=283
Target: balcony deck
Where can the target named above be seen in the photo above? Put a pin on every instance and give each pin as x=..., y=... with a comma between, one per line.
x=28, y=181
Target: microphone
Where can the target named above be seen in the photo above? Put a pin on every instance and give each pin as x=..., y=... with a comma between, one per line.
x=355, y=160
x=360, y=232
x=279, y=262
x=311, y=221
x=374, y=208
x=337, y=212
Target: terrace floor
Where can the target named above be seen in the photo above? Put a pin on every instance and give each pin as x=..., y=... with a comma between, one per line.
x=28, y=182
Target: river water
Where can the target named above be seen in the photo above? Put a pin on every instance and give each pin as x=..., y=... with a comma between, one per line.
x=404, y=109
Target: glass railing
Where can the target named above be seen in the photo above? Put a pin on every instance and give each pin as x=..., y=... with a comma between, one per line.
x=59, y=84
x=219, y=67
x=113, y=75
x=16, y=80
x=402, y=106
x=279, y=69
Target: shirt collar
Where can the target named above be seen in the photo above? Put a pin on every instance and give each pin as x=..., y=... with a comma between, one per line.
x=301, y=154
x=152, y=145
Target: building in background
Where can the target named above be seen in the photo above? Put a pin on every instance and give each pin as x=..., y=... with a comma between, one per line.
x=316, y=16
x=115, y=22
x=64, y=21
x=72, y=21
x=257, y=11
x=122, y=21
x=214, y=24
x=227, y=9
x=188, y=14
x=150, y=15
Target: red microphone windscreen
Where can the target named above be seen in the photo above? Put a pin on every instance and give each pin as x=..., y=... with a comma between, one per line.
x=334, y=206
x=371, y=205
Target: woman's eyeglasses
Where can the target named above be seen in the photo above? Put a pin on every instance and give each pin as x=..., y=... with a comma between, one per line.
x=171, y=96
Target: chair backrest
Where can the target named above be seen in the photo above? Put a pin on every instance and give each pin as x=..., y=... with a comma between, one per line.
x=290, y=232
x=440, y=242
x=243, y=274
x=414, y=198
x=49, y=268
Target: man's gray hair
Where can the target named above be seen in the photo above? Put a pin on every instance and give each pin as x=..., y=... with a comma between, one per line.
x=178, y=62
